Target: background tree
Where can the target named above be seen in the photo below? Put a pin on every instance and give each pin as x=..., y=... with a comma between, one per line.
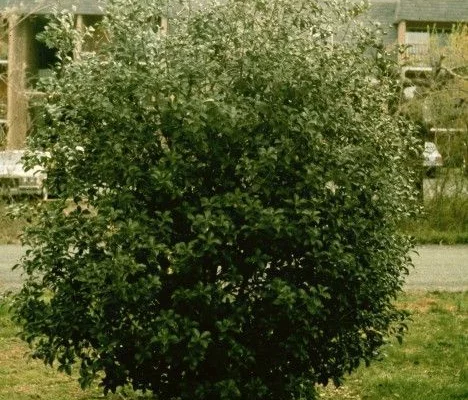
x=450, y=102
x=228, y=204
x=441, y=102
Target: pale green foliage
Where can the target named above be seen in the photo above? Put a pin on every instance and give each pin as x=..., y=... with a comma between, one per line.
x=442, y=98
x=447, y=98
x=237, y=187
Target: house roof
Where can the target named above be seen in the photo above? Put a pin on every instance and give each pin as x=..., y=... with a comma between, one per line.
x=432, y=10
x=86, y=7
x=384, y=11
x=393, y=11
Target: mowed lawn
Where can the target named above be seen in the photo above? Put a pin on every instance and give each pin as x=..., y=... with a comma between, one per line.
x=24, y=378
x=431, y=364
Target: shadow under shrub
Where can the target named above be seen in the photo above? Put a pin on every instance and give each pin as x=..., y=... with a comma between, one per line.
x=238, y=187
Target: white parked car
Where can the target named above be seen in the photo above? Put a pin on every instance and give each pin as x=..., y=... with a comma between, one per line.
x=14, y=179
x=432, y=158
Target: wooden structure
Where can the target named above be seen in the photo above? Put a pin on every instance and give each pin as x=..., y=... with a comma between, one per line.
x=23, y=57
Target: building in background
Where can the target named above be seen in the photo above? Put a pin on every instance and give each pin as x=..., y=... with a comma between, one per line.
x=23, y=58
x=413, y=23
x=433, y=60
x=418, y=26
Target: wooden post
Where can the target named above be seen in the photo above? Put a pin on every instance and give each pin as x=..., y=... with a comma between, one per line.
x=401, y=39
x=163, y=25
x=401, y=32
x=80, y=27
x=465, y=151
x=17, y=100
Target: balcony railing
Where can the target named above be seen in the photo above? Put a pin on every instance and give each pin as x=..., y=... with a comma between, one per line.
x=417, y=49
x=417, y=54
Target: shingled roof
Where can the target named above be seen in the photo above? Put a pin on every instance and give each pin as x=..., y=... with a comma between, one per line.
x=384, y=11
x=432, y=10
x=85, y=7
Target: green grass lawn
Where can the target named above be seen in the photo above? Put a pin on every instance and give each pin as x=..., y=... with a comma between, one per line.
x=430, y=365
x=22, y=378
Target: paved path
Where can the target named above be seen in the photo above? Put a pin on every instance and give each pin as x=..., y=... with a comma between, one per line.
x=439, y=268
x=9, y=256
x=436, y=268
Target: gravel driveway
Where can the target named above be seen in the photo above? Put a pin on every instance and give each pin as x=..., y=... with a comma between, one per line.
x=436, y=268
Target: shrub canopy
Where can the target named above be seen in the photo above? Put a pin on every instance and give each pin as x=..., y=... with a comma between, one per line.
x=226, y=224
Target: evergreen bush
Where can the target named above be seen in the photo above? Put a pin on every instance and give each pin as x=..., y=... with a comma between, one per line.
x=228, y=200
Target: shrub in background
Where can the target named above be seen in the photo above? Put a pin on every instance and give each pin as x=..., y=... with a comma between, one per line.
x=229, y=199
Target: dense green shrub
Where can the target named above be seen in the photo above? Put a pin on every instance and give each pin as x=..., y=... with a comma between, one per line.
x=229, y=198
